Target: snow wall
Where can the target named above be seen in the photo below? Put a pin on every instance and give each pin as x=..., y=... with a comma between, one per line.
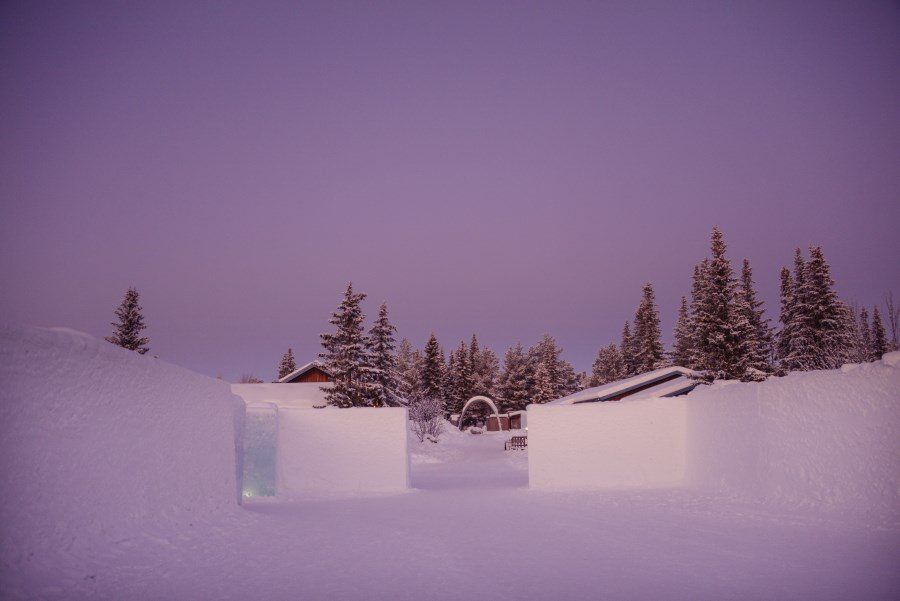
x=636, y=444
x=825, y=440
x=335, y=451
x=102, y=442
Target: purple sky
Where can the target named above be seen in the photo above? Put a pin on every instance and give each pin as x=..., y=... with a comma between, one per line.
x=504, y=168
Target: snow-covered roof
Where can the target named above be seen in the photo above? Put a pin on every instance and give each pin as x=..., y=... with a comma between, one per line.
x=302, y=370
x=300, y=395
x=668, y=386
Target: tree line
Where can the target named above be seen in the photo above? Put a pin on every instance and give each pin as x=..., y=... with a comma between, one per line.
x=723, y=331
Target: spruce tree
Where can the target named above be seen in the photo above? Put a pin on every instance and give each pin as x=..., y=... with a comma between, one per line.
x=485, y=368
x=383, y=377
x=513, y=383
x=879, y=336
x=797, y=330
x=127, y=331
x=864, y=352
x=783, y=347
x=648, y=347
x=544, y=387
x=344, y=354
x=608, y=366
x=459, y=379
x=629, y=353
x=683, y=347
x=758, y=333
x=409, y=370
x=822, y=316
x=287, y=364
x=552, y=378
x=432, y=375
x=718, y=319
x=699, y=337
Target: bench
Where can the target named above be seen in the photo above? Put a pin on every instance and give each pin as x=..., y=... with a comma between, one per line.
x=516, y=442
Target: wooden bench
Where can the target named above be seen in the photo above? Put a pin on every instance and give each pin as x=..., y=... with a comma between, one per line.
x=516, y=442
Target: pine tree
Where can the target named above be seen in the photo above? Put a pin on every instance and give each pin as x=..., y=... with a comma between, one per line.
x=409, y=370
x=879, y=336
x=822, y=320
x=758, y=333
x=648, y=347
x=551, y=381
x=683, y=347
x=344, y=354
x=719, y=321
x=608, y=366
x=864, y=352
x=383, y=377
x=544, y=388
x=629, y=353
x=485, y=369
x=783, y=347
x=287, y=364
x=127, y=332
x=514, y=385
x=432, y=375
x=699, y=335
x=797, y=329
x=459, y=379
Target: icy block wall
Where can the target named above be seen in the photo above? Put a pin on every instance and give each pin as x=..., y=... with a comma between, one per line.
x=825, y=440
x=332, y=450
x=260, y=450
x=98, y=438
x=634, y=444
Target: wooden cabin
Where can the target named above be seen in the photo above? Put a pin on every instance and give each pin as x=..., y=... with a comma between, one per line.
x=311, y=372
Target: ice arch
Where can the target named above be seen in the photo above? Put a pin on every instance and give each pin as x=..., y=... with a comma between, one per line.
x=478, y=399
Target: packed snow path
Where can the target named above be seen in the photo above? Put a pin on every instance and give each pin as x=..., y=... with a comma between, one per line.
x=473, y=529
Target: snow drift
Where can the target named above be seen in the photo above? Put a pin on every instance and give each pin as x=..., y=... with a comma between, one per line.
x=100, y=443
x=823, y=440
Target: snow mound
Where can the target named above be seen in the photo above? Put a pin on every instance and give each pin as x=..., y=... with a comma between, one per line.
x=100, y=443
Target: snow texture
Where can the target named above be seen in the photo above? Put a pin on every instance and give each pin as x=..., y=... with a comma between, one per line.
x=824, y=440
x=624, y=444
x=302, y=394
x=353, y=451
x=99, y=442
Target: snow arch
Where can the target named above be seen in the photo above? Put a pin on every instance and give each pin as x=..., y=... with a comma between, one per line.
x=478, y=399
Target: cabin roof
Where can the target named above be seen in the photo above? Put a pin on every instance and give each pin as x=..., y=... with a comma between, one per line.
x=302, y=370
x=668, y=386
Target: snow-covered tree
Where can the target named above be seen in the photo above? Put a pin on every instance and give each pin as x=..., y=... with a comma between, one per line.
x=344, y=354
x=879, y=336
x=409, y=371
x=459, y=379
x=514, y=386
x=127, y=331
x=628, y=351
x=432, y=374
x=699, y=288
x=718, y=321
x=683, y=346
x=864, y=343
x=821, y=318
x=647, y=343
x=287, y=364
x=383, y=377
x=485, y=369
x=783, y=340
x=551, y=376
x=758, y=333
x=608, y=366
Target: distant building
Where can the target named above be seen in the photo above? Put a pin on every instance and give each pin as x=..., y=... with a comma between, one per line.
x=314, y=371
x=665, y=382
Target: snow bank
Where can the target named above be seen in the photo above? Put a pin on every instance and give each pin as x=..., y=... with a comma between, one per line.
x=607, y=445
x=359, y=450
x=101, y=443
x=825, y=440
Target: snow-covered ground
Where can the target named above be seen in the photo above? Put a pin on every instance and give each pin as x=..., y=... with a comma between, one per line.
x=470, y=528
